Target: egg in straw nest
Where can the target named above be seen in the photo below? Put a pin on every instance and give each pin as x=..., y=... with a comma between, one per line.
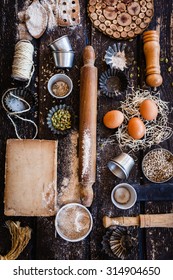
x=153, y=114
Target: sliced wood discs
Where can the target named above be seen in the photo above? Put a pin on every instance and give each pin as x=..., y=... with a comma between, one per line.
x=121, y=19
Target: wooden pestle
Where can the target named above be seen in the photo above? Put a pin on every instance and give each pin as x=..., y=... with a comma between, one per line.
x=87, y=126
x=152, y=56
x=143, y=221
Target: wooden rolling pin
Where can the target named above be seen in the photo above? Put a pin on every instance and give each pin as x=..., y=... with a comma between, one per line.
x=87, y=126
x=142, y=221
x=152, y=56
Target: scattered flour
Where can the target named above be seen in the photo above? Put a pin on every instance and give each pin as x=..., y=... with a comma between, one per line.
x=70, y=187
x=86, y=145
x=36, y=19
x=55, y=14
x=119, y=61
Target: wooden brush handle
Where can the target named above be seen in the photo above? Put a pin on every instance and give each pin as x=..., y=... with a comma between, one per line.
x=152, y=56
x=120, y=221
x=87, y=125
x=144, y=221
x=156, y=220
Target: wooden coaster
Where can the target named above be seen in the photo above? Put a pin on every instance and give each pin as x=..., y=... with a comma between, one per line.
x=68, y=12
x=121, y=19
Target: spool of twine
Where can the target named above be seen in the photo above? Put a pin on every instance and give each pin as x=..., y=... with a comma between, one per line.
x=23, y=65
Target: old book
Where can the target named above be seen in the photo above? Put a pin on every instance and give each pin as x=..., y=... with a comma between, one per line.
x=30, y=178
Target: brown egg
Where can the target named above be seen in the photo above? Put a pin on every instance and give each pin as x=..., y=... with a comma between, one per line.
x=113, y=119
x=136, y=128
x=148, y=110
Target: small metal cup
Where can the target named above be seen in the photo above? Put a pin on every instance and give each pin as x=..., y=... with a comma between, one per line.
x=56, y=78
x=132, y=197
x=61, y=44
x=121, y=165
x=63, y=59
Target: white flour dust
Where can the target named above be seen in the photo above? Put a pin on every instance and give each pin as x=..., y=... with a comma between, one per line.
x=86, y=151
x=70, y=187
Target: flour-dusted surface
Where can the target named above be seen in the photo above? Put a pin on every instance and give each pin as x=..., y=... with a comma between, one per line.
x=36, y=19
x=69, y=185
x=31, y=178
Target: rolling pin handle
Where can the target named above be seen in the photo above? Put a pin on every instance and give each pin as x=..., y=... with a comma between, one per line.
x=89, y=55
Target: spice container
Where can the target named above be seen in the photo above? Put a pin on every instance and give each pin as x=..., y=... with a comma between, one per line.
x=73, y=222
x=60, y=86
x=157, y=165
x=123, y=196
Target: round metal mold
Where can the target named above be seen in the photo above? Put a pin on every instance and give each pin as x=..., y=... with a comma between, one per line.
x=63, y=59
x=50, y=115
x=160, y=170
x=61, y=44
x=118, y=242
x=18, y=100
x=113, y=83
x=119, y=56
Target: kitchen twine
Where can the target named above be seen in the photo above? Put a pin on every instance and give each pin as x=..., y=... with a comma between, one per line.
x=9, y=113
x=23, y=65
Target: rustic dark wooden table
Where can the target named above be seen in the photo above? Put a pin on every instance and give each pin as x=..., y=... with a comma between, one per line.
x=153, y=243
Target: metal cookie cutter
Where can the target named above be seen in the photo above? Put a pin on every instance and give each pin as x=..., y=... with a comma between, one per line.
x=118, y=242
x=118, y=56
x=113, y=82
x=14, y=103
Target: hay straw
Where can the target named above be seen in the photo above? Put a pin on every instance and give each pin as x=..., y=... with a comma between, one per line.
x=20, y=238
x=156, y=131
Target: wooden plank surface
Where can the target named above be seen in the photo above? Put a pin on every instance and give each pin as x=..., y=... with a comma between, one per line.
x=152, y=198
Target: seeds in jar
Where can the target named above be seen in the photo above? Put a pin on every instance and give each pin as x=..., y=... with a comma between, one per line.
x=158, y=165
x=61, y=119
x=60, y=88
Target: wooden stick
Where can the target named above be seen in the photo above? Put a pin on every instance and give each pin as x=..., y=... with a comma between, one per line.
x=87, y=126
x=143, y=221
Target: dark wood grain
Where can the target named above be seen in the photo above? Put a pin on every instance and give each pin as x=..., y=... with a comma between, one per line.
x=152, y=198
